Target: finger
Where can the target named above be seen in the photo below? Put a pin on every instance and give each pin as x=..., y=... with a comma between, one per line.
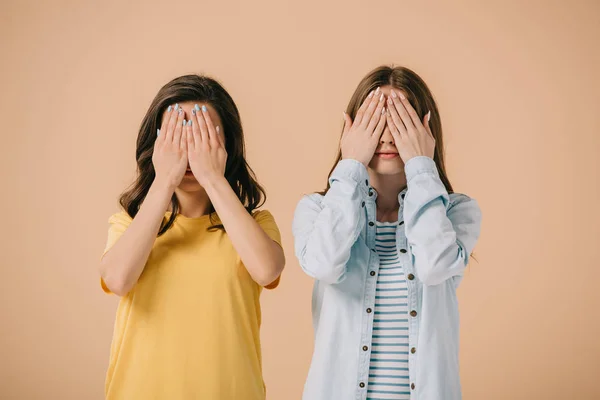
x=411, y=112
x=377, y=114
x=171, y=122
x=180, y=127
x=196, y=135
x=395, y=118
x=212, y=134
x=190, y=136
x=426, y=120
x=393, y=130
x=377, y=98
x=202, y=125
x=363, y=107
x=347, y=124
x=177, y=125
x=380, y=124
x=220, y=136
x=184, y=138
x=402, y=112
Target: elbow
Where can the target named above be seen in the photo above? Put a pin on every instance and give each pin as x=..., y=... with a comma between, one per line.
x=270, y=272
x=114, y=283
x=436, y=271
x=330, y=275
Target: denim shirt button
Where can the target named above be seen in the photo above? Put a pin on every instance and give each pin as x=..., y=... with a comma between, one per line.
x=401, y=222
x=363, y=204
x=411, y=277
x=413, y=350
x=367, y=182
x=412, y=386
x=402, y=195
x=370, y=193
x=372, y=273
x=402, y=251
x=369, y=311
x=365, y=348
x=362, y=384
x=371, y=223
x=413, y=313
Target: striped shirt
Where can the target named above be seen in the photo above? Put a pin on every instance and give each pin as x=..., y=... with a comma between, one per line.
x=388, y=371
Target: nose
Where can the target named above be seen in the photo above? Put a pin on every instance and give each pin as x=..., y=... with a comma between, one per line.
x=386, y=136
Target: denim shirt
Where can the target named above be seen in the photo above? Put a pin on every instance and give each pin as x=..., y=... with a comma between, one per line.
x=334, y=239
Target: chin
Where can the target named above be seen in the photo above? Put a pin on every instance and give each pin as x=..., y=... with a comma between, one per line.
x=189, y=185
x=383, y=167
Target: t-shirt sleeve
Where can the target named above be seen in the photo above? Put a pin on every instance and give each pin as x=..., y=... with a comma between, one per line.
x=117, y=225
x=267, y=222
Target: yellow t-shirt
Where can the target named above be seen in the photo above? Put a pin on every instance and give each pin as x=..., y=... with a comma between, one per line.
x=189, y=329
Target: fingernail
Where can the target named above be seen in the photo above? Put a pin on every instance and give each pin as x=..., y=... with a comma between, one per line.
x=169, y=109
x=428, y=115
x=381, y=97
x=402, y=96
x=193, y=111
x=218, y=129
x=390, y=100
x=196, y=107
x=184, y=122
x=371, y=94
x=383, y=110
x=377, y=91
x=190, y=122
x=176, y=106
x=394, y=94
x=157, y=132
x=204, y=108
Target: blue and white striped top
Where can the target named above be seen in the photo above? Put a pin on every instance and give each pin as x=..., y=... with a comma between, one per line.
x=388, y=371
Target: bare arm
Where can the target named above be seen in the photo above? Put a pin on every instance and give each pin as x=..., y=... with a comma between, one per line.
x=263, y=258
x=122, y=265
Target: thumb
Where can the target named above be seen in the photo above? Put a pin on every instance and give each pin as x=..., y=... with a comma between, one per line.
x=347, y=124
x=426, y=120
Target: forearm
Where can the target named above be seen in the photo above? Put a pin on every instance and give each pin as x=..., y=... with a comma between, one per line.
x=262, y=257
x=122, y=265
x=325, y=233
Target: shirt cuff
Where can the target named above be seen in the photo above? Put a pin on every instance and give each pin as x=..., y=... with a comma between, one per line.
x=349, y=169
x=420, y=165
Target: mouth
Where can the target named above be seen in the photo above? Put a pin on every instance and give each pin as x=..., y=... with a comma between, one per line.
x=387, y=156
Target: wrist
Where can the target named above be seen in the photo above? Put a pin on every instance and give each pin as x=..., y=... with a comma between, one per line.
x=162, y=186
x=213, y=182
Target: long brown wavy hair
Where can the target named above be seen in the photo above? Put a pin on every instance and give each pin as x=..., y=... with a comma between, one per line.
x=419, y=96
x=237, y=171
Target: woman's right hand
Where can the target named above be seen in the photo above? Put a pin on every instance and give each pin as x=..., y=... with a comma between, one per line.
x=361, y=136
x=170, y=148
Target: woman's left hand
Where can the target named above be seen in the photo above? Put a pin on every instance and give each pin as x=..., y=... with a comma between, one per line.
x=206, y=147
x=412, y=136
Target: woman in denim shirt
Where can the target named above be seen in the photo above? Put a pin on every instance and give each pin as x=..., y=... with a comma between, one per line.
x=387, y=243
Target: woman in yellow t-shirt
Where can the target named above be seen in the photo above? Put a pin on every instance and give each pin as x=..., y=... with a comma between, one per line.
x=189, y=255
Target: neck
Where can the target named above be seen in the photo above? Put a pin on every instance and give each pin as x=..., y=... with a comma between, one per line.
x=193, y=204
x=388, y=188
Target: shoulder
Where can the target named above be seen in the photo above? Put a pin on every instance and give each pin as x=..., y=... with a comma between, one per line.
x=263, y=217
x=121, y=218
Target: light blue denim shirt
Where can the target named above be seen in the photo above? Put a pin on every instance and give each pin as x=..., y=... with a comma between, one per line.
x=335, y=244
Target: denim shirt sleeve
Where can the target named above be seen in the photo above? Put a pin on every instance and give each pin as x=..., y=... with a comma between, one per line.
x=326, y=227
x=441, y=234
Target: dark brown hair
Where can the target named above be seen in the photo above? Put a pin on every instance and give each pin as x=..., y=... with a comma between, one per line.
x=237, y=171
x=419, y=96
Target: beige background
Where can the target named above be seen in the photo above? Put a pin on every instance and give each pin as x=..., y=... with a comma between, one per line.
x=518, y=88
